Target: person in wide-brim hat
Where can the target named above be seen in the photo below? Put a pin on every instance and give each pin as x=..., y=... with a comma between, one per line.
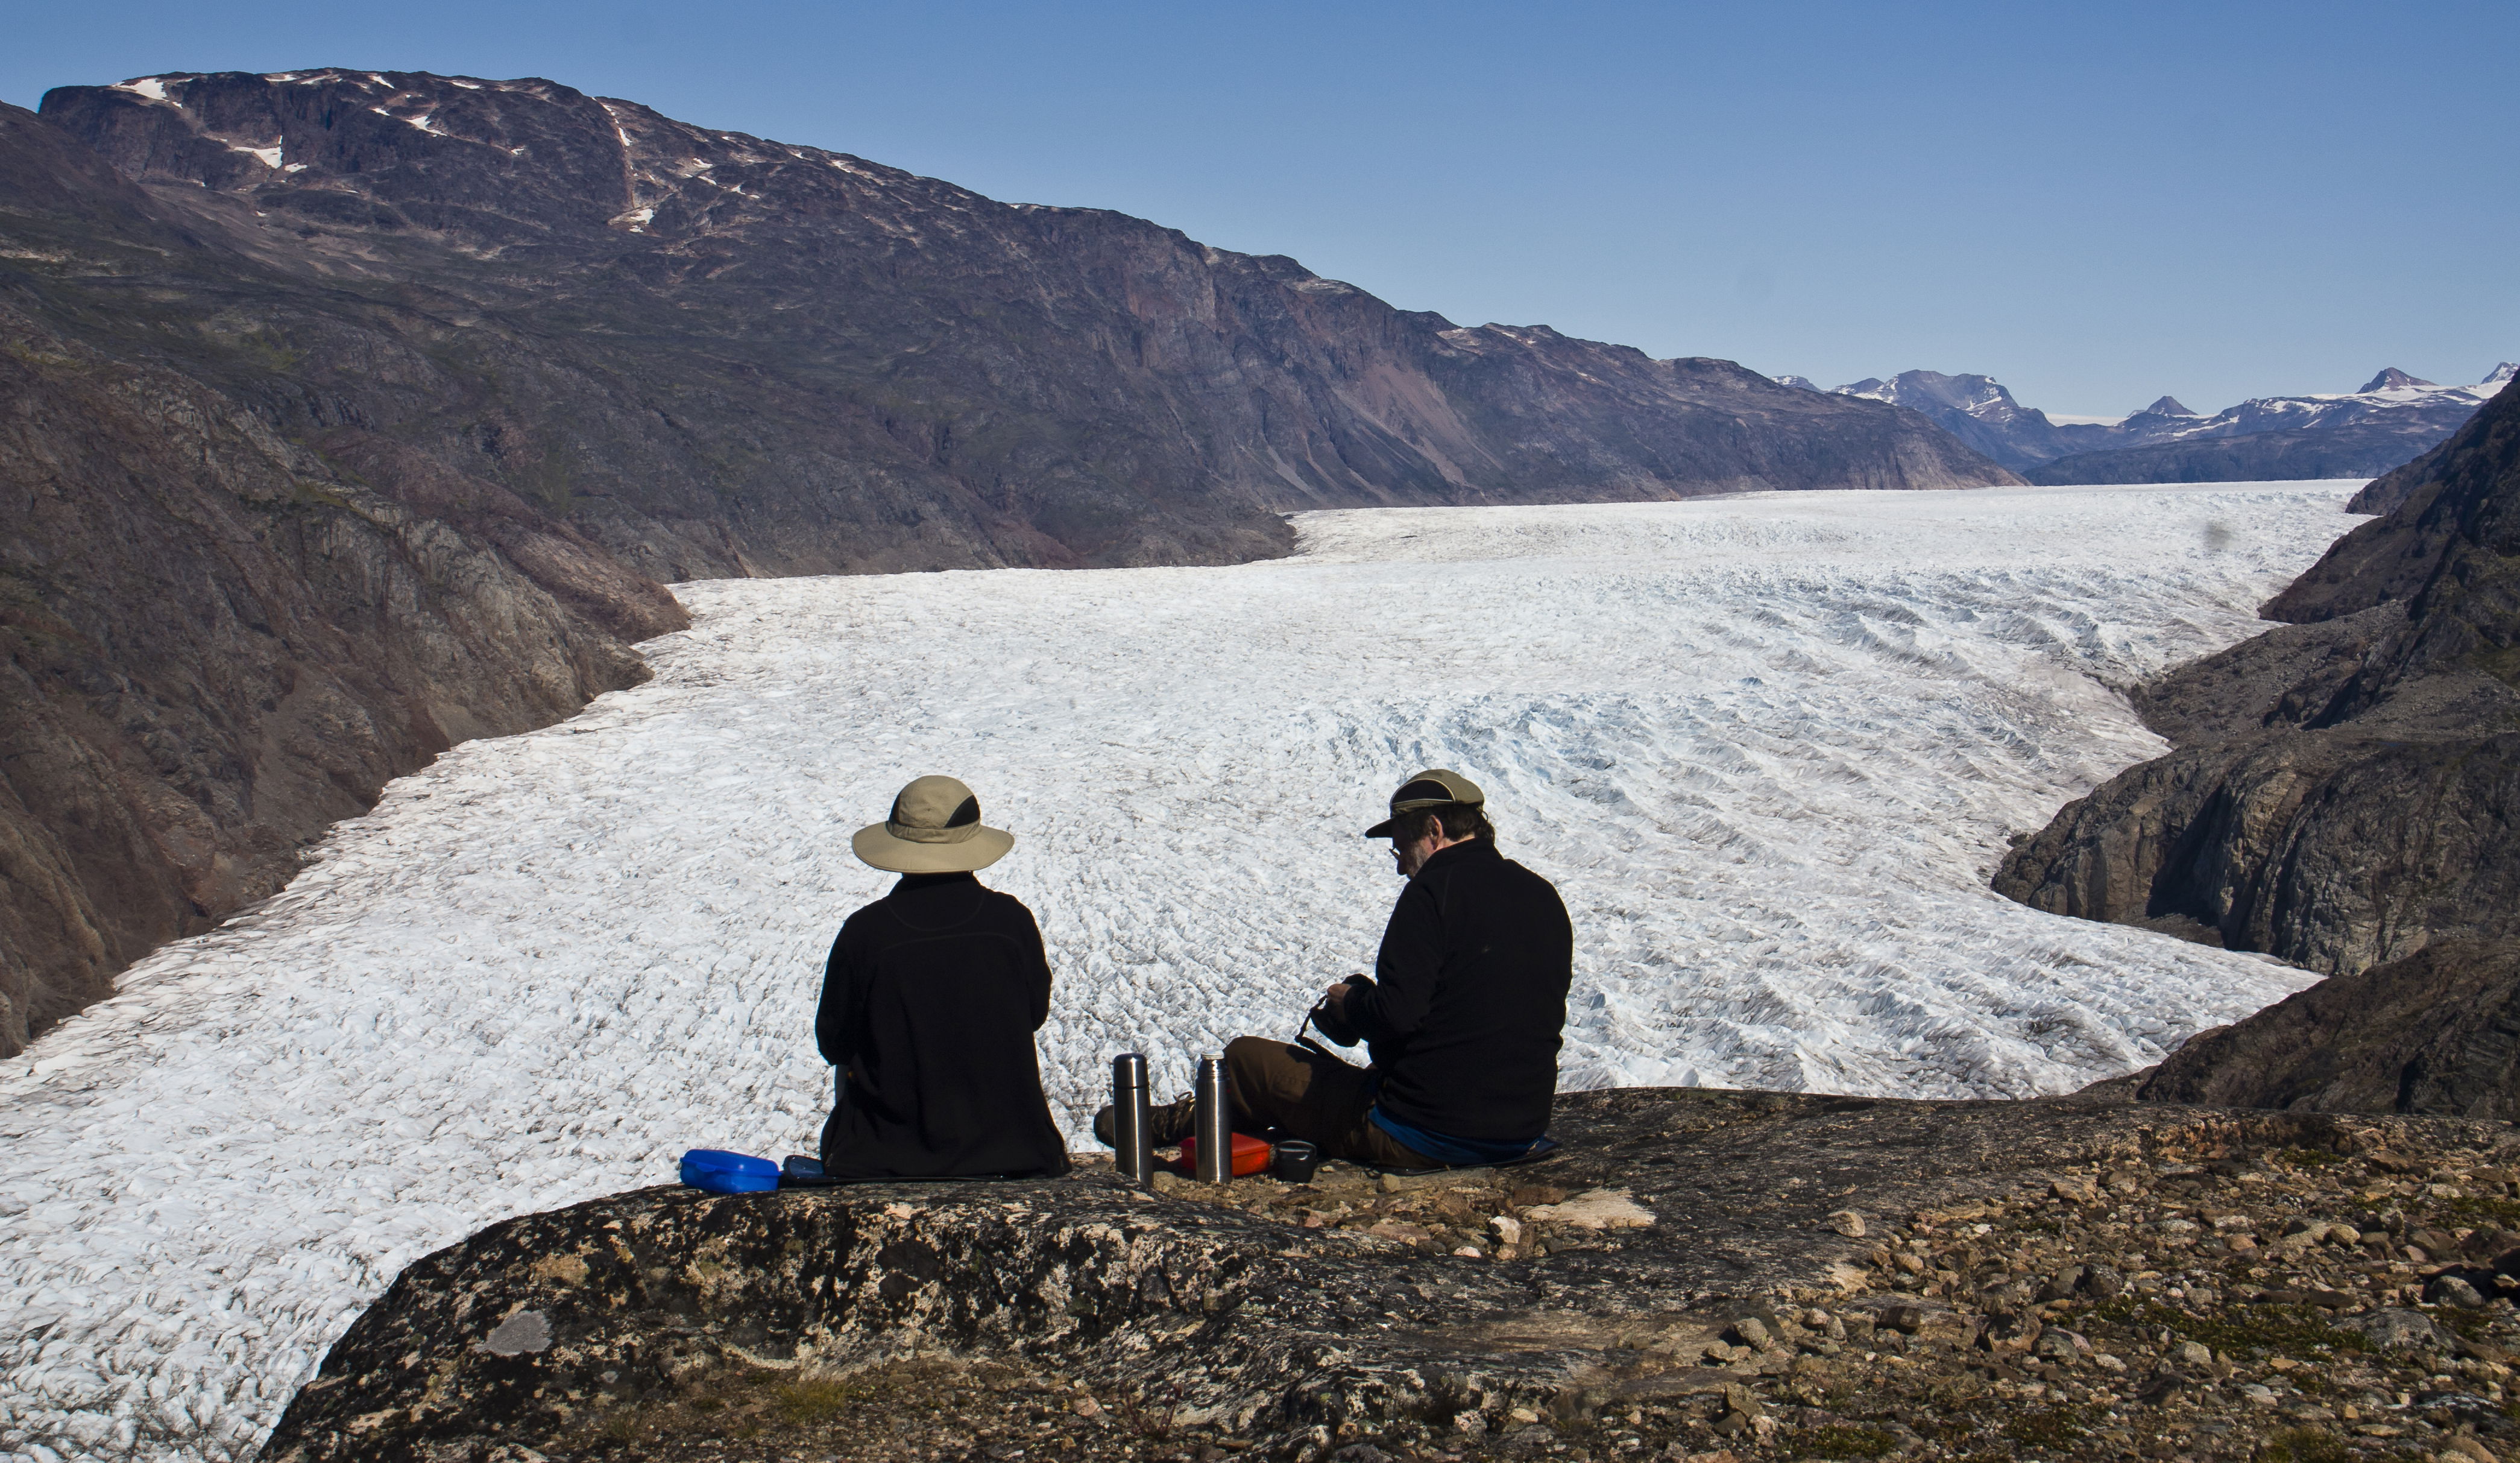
x=930, y=1001
x=935, y=828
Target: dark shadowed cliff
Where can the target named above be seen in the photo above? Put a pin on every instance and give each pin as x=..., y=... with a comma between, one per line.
x=348, y=415
x=219, y=636
x=2345, y=794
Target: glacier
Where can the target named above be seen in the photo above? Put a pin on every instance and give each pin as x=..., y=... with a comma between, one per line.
x=1769, y=746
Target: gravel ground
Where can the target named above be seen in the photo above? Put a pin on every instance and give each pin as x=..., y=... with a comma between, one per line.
x=2201, y=1298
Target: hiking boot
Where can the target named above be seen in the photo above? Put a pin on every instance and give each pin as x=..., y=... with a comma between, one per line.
x=1170, y=1123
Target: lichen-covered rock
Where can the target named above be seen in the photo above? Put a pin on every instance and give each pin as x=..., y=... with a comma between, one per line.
x=1279, y=1319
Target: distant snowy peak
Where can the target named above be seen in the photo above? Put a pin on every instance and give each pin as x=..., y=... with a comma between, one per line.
x=1980, y=412
x=1806, y=384
x=1981, y=397
x=1976, y=409
x=2390, y=393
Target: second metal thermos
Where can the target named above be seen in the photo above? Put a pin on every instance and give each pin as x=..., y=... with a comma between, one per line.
x=1212, y=1119
x=1133, y=1133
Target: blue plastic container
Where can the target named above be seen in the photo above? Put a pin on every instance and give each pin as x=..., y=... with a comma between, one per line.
x=721, y=1172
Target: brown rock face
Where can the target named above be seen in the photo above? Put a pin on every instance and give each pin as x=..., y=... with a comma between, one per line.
x=220, y=639
x=349, y=415
x=2435, y=1034
x=2345, y=794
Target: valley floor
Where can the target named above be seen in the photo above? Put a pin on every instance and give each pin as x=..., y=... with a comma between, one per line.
x=1768, y=748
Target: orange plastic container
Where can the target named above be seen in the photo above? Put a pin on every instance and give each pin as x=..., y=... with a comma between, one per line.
x=1250, y=1155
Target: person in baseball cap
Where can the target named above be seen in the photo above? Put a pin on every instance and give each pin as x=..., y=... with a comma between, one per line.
x=1462, y=1017
x=930, y=999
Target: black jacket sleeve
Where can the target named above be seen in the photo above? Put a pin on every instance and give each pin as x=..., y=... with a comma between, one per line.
x=1404, y=973
x=839, y=996
x=1039, y=958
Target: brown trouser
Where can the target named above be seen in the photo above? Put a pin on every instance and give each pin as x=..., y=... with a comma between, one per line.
x=1303, y=1094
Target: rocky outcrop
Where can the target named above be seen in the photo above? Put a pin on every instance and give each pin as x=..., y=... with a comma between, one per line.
x=356, y=414
x=2345, y=792
x=1796, y=1275
x=2437, y=1033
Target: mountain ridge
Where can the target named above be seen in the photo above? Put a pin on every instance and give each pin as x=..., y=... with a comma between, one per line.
x=2390, y=420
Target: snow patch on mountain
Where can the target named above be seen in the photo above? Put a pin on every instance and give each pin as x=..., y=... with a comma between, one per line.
x=1768, y=748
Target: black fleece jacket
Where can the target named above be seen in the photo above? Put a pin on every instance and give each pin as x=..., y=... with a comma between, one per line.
x=1469, y=997
x=929, y=1003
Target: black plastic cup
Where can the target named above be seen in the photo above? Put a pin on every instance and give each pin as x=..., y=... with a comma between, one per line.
x=1293, y=1161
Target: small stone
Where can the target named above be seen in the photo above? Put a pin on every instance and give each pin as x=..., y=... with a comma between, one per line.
x=2451, y=1290
x=1088, y=1408
x=525, y=1332
x=1596, y=1208
x=1847, y=1222
x=1523, y=1415
x=1507, y=1228
x=1752, y=1332
x=2192, y=1353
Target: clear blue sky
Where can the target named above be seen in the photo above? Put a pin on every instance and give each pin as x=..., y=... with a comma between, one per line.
x=2094, y=204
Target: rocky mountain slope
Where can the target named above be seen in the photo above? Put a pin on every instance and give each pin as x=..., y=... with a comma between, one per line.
x=222, y=635
x=729, y=354
x=2392, y=418
x=359, y=413
x=2345, y=794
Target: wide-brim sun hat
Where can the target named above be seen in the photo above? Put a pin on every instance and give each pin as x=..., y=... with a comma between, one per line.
x=935, y=828
x=1436, y=787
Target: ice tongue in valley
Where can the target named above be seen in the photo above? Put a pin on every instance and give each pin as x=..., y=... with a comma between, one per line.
x=1768, y=747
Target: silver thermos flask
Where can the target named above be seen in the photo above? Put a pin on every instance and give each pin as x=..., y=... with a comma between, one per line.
x=1212, y=1119
x=1130, y=1126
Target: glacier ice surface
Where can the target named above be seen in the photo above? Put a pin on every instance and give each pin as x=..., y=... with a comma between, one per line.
x=1768, y=748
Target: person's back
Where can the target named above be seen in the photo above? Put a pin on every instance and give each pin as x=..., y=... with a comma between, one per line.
x=930, y=1001
x=1468, y=1000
